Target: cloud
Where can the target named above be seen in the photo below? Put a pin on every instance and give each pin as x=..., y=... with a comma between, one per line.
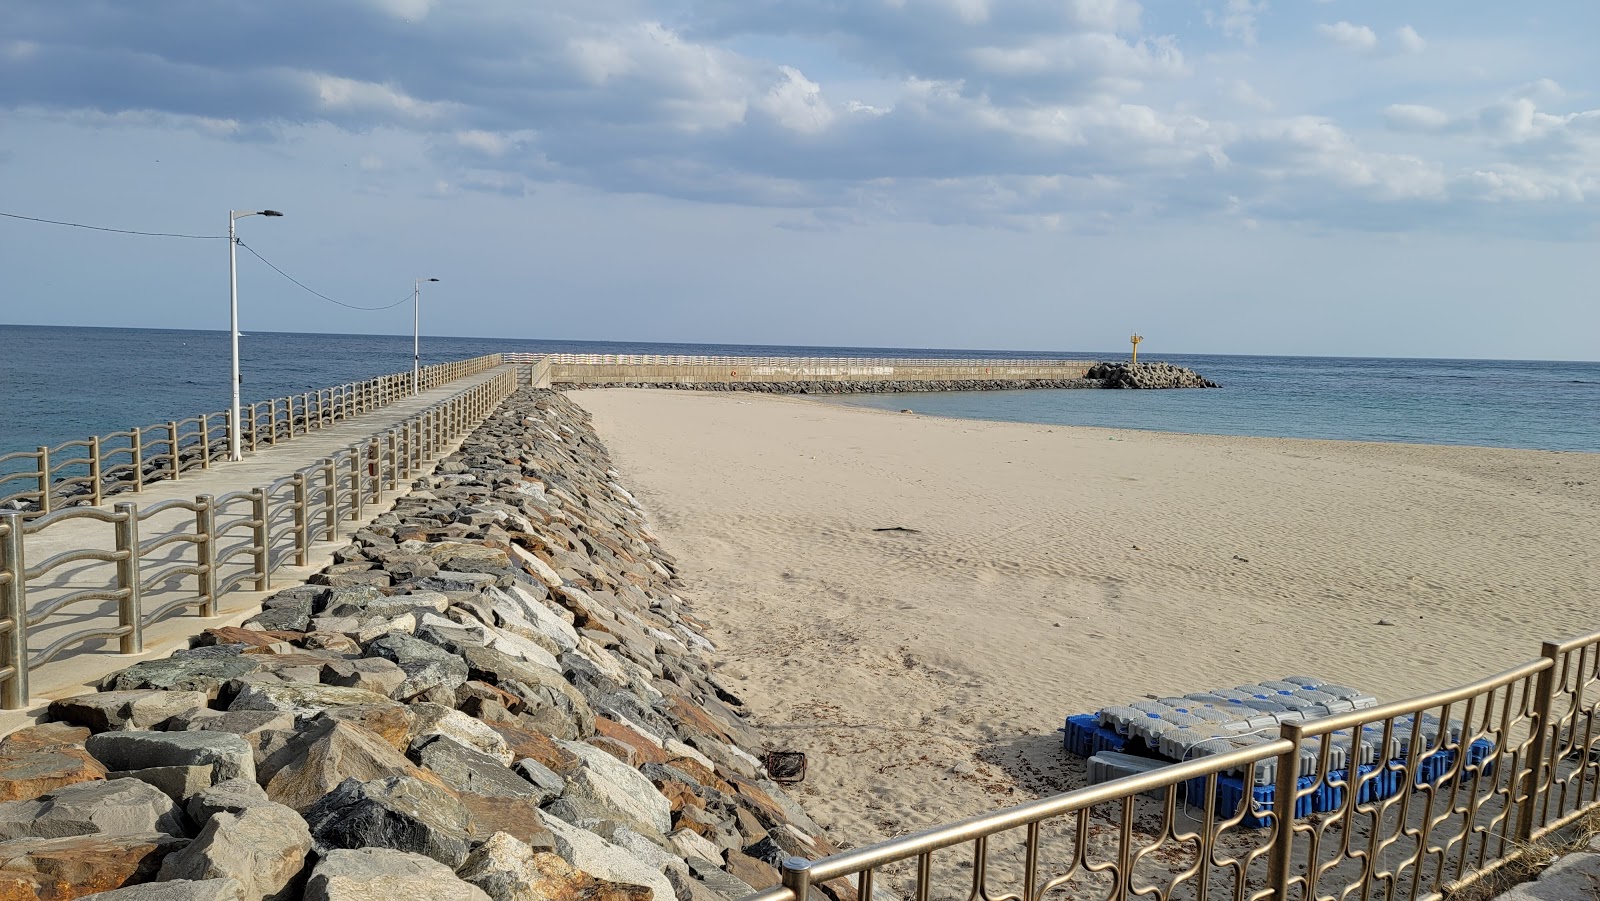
x=1415, y=117
x=1237, y=19
x=1358, y=38
x=1409, y=41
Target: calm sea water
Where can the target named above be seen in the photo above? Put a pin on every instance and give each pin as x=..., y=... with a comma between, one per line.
x=60, y=384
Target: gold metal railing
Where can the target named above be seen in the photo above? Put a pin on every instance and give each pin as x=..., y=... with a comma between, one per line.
x=1410, y=800
x=89, y=469
x=203, y=549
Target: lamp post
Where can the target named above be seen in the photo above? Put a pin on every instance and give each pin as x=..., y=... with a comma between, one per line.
x=233, y=324
x=416, y=335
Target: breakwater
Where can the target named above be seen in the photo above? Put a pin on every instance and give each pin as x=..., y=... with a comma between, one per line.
x=800, y=375
x=494, y=692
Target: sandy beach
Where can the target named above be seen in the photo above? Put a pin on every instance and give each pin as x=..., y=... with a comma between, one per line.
x=1047, y=570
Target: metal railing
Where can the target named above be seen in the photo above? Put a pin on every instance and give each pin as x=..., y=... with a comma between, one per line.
x=198, y=551
x=85, y=471
x=1411, y=800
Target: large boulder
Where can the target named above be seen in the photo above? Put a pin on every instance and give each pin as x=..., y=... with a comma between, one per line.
x=43, y=758
x=232, y=796
x=176, y=890
x=606, y=788
x=117, y=807
x=466, y=770
x=398, y=812
x=61, y=869
x=598, y=857
x=230, y=756
x=383, y=874
x=317, y=761
x=301, y=699
x=508, y=870
x=263, y=847
x=140, y=709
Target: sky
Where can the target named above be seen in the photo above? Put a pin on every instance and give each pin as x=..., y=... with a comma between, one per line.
x=1347, y=178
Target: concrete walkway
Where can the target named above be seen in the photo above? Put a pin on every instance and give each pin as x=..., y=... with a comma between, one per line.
x=78, y=667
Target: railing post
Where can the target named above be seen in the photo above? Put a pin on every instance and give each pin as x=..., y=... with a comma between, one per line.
x=797, y=877
x=356, y=485
x=255, y=427
x=205, y=442
x=96, y=488
x=302, y=520
x=374, y=455
x=205, y=528
x=130, y=609
x=172, y=445
x=263, y=553
x=392, y=447
x=14, y=607
x=272, y=421
x=44, y=479
x=1544, y=734
x=330, y=500
x=138, y=459
x=1281, y=862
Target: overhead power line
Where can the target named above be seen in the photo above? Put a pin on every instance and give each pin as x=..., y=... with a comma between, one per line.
x=319, y=293
x=120, y=231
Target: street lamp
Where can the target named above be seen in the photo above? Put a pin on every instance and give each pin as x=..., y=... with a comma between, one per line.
x=234, y=429
x=416, y=336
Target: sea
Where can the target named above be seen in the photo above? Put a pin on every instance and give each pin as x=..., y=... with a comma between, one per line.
x=62, y=383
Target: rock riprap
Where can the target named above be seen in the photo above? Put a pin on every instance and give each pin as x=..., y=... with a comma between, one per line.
x=493, y=692
x=1148, y=375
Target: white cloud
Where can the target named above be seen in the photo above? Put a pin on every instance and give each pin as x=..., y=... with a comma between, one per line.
x=347, y=94
x=1350, y=36
x=1415, y=117
x=796, y=103
x=1408, y=40
x=1238, y=19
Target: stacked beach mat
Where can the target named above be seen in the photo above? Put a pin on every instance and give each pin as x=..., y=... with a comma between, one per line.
x=1125, y=739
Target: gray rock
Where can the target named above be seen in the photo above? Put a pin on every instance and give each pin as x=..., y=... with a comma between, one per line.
x=229, y=755
x=547, y=784
x=185, y=671
x=723, y=883
x=426, y=665
x=232, y=796
x=117, y=807
x=470, y=771
x=282, y=619
x=176, y=890
x=437, y=719
x=319, y=759
x=606, y=788
x=400, y=813
x=509, y=870
x=300, y=699
x=139, y=709
x=263, y=847
x=373, y=674
x=415, y=604
x=381, y=874
x=176, y=782
x=598, y=857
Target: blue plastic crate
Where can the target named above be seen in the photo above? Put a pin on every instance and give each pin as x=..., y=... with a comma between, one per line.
x=1378, y=781
x=1230, y=790
x=1434, y=768
x=1085, y=737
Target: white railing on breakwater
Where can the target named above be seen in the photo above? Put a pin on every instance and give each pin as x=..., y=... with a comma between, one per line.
x=686, y=370
x=124, y=461
x=223, y=542
x=690, y=360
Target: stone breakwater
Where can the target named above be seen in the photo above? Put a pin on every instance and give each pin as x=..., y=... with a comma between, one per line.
x=901, y=386
x=1148, y=375
x=493, y=693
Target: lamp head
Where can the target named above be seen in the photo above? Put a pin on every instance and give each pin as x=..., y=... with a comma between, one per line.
x=271, y=213
x=430, y=279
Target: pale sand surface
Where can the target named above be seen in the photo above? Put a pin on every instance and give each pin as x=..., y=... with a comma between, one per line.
x=1060, y=569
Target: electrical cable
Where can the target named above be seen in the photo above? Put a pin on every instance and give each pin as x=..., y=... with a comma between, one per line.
x=120, y=231
x=319, y=293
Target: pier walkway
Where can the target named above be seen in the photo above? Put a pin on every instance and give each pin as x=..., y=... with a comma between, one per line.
x=83, y=594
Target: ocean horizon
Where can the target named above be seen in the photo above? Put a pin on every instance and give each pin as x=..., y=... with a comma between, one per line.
x=64, y=383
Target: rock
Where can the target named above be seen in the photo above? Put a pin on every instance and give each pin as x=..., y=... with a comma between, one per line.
x=176, y=782
x=176, y=890
x=373, y=674
x=399, y=812
x=394, y=723
x=526, y=745
x=117, y=807
x=229, y=755
x=426, y=666
x=758, y=874
x=517, y=817
x=466, y=770
x=721, y=882
x=205, y=671
x=263, y=847
x=317, y=761
x=381, y=874
x=606, y=788
x=437, y=719
x=547, y=785
x=598, y=857
x=232, y=796
x=301, y=699
x=61, y=869
x=108, y=710
x=688, y=844
x=508, y=870
x=40, y=759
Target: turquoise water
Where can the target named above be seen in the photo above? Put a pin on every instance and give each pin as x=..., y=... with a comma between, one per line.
x=60, y=384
